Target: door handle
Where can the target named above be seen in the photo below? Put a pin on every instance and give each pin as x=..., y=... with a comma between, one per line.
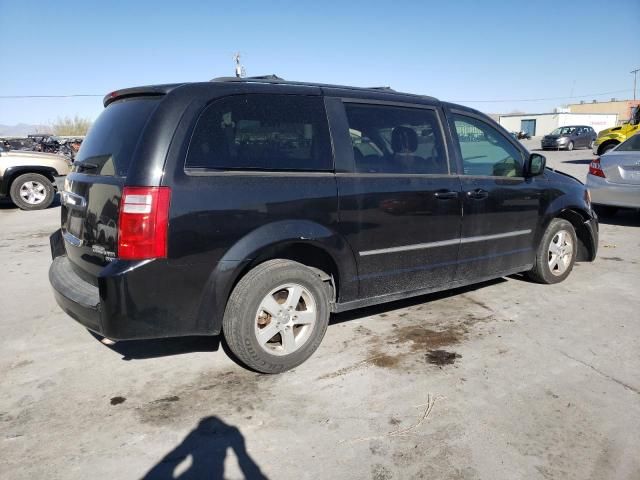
x=446, y=194
x=477, y=194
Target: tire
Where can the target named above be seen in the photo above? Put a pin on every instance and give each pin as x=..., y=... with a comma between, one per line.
x=591, y=143
x=569, y=146
x=605, y=210
x=607, y=147
x=32, y=191
x=271, y=285
x=542, y=271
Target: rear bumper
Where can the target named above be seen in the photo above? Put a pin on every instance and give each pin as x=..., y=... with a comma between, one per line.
x=79, y=299
x=136, y=300
x=613, y=194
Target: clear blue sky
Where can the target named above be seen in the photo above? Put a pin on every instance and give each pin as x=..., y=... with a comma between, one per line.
x=454, y=50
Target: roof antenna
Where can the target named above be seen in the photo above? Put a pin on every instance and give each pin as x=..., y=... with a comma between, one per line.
x=240, y=71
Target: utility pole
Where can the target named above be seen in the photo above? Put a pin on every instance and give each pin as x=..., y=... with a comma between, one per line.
x=635, y=76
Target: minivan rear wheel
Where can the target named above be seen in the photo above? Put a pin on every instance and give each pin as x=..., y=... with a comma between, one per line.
x=556, y=253
x=32, y=191
x=276, y=316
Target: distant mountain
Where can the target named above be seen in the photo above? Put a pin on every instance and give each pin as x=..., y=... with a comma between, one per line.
x=23, y=129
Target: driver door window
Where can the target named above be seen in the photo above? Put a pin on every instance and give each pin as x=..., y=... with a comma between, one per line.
x=485, y=151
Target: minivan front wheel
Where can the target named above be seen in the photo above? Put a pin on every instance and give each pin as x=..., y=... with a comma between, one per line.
x=556, y=253
x=276, y=316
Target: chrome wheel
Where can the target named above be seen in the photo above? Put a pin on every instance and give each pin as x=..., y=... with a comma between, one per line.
x=560, y=252
x=285, y=319
x=33, y=192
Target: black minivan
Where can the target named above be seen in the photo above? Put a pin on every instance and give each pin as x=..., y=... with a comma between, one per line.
x=256, y=207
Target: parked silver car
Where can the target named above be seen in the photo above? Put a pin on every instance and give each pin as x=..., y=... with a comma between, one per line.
x=614, y=177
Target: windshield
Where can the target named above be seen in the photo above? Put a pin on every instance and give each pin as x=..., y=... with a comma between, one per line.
x=563, y=131
x=112, y=139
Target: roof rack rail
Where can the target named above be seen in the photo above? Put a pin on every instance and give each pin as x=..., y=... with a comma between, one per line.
x=274, y=79
x=259, y=78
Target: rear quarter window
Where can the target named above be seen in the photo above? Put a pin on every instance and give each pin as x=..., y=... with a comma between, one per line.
x=111, y=142
x=262, y=132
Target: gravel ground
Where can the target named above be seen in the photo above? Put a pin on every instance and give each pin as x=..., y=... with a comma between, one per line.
x=535, y=382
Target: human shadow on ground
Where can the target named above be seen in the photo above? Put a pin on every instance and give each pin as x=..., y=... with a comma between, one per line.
x=202, y=453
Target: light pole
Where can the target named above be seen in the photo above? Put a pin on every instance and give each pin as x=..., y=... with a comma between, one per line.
x=635, y=75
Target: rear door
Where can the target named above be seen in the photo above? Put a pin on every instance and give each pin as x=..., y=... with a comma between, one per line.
x=91, y=197
x=501, y=207
x=399, y=204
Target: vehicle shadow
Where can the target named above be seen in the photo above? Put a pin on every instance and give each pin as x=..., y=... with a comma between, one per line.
x=623, y=218
x=6, y=204
x=163, y=347
x=578, y=162
x=202, y=454
x=408, y=302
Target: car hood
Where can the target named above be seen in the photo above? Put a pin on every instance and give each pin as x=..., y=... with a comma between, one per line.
x=607, y=131
x=32, y=155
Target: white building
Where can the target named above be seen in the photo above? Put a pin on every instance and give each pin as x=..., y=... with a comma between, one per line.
x=539, y=124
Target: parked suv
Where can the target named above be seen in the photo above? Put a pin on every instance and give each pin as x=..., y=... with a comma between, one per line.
x=31, y=179
x=256, y=207
x=570, y=137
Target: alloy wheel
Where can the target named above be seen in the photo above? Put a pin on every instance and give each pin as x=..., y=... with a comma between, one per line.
x=285, y=319
x=560, y=252
x=33, y=192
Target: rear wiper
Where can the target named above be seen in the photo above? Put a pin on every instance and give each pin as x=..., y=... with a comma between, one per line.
x=84, y=166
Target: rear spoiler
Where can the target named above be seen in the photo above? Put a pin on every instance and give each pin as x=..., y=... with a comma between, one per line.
x=149, y=91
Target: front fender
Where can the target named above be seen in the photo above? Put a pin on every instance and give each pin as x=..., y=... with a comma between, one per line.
x=12, y=172
x=580, y=214
x=273, y=236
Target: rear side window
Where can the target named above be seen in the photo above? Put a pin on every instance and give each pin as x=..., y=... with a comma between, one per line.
x=111, y=141
x=262, y=132
x=390, y=139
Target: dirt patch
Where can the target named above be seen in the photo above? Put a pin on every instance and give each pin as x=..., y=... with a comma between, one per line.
x=613, y=259
x=227, y=393
x=385, y=361
x=421, y=338
x=442, y=357
x=117, y=400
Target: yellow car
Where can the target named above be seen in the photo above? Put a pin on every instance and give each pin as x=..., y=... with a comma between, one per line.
x=611, y=137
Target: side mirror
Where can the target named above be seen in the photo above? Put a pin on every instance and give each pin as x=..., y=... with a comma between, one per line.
x=535, y=165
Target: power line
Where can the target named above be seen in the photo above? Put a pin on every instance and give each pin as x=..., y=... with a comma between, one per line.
x=51, y=96
x=542, y=99
x=460, y=101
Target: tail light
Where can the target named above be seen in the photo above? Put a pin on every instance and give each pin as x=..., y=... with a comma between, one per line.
x=595, y=168
x=144, y=221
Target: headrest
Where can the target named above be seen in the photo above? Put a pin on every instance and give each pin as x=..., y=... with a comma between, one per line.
x=404, y=140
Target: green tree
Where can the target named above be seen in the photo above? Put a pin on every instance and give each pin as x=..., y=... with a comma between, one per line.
x=71, y=126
